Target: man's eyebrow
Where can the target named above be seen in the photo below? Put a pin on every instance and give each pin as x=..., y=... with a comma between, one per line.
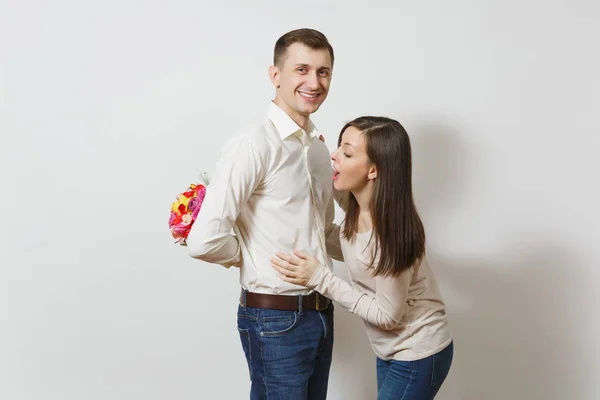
x=306, y=65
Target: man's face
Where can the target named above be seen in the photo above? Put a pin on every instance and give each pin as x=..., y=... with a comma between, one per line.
x=302, y=80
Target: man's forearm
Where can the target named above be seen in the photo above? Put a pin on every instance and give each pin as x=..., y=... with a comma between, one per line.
x=224, y=250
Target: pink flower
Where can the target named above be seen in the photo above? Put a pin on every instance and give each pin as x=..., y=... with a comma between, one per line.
x=199, y=199
x=178, y=230
x=193, y=204
x=172, y=218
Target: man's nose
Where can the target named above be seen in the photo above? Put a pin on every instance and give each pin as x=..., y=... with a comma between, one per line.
x=313, y=81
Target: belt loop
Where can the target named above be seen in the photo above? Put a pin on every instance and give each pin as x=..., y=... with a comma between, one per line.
x=244, y=291
x=300, y=304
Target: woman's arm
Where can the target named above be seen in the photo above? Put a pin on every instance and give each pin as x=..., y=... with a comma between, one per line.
x=383, y=310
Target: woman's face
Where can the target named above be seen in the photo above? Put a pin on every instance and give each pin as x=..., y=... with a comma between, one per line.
x=352, y=166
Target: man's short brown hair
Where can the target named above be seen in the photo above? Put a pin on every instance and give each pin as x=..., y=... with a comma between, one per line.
x=308, y=37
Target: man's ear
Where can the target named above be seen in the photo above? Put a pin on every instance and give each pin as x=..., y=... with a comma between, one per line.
x=274, y=75
x=372, y=173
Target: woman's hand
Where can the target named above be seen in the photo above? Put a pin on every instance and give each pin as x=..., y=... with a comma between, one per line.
x=297, y=270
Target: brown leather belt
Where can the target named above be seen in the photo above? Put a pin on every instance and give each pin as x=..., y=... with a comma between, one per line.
x=313, y=301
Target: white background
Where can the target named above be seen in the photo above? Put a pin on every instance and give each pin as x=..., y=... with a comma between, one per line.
x=109, y=108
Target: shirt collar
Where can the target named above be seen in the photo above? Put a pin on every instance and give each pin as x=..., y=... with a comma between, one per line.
x=285, y=125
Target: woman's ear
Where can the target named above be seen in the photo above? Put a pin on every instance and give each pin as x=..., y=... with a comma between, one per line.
x=372, y=173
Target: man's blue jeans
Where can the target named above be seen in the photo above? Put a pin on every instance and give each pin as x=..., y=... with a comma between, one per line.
x=288, y=352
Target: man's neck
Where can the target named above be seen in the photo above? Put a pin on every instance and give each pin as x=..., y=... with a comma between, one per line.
x=301, y=120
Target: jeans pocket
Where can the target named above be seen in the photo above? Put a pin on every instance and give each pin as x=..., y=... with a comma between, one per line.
x=245, y=338
x=441, y=366
x=278, y=323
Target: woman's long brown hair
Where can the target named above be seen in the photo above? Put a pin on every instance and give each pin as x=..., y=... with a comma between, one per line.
x=397, y=227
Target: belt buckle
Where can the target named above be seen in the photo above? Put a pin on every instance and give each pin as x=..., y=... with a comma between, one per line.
x=319, y=303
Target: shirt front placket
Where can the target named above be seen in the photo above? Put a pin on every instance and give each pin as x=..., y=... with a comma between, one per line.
x=305, y=142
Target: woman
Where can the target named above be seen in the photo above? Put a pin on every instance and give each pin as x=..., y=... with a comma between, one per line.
x=383, y=242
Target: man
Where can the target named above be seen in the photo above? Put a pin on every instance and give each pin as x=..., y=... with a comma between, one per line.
x=273, y=189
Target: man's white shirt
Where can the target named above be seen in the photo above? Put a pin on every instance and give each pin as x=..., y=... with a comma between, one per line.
x=273, y=187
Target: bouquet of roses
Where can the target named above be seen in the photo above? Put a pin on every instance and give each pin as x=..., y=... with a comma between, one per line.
x=185, y=210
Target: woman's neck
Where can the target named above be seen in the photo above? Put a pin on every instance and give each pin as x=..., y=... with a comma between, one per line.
x=363, y=198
